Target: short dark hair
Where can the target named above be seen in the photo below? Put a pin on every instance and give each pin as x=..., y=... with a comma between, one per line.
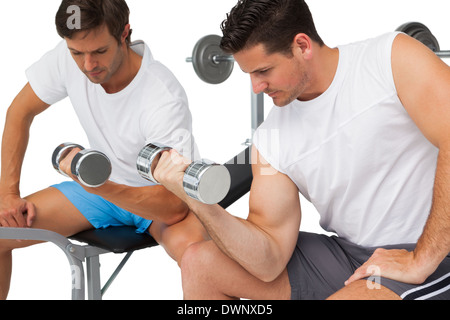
x=273, y=23
x=93, y=14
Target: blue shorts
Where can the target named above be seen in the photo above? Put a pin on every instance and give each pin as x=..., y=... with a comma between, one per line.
x=99, y=212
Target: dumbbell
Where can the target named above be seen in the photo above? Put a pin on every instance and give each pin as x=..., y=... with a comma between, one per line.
x=91, y=167
x=203, y=180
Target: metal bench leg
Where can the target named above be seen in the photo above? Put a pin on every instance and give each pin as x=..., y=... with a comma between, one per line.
x=75, y=254
x=78, y=289
x=93, y=278
x=116, y=272
x=95, y=292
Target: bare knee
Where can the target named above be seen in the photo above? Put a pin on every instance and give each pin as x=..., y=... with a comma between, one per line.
x=176, y=243
x=178, y=237
x=196, y=266
x=196, y=257
x=197, y=262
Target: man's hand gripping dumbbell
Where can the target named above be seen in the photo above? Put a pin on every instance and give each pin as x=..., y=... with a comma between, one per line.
x=91, y=168
x=203, y=180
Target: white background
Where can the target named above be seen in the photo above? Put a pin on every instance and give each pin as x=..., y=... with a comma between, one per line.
x=221, y=113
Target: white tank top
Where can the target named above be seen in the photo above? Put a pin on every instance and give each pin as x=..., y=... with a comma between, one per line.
x=355, y=153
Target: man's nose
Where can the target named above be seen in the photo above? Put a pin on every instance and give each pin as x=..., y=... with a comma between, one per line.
x=90, y=63
x=258, y=85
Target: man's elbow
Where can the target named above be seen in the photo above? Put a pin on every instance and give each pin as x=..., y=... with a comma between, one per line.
x=269, y=270
x=270, y=274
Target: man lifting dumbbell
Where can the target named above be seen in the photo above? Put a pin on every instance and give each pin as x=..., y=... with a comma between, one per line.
x=129, y=100
x=362, y=131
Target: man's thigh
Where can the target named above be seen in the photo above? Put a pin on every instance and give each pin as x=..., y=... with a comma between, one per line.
x=56, y=213
x=320, y=265
x=363, y=290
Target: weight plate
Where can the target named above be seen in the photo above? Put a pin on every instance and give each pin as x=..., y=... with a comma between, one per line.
x=214, y=184
x=421, y=33
x=204, y=65
x=92, y=168
x=207, y=182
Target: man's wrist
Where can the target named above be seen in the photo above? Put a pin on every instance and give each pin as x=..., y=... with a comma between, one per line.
x=426, y=262
x=9, y=190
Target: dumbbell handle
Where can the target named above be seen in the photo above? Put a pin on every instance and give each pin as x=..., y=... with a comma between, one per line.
x=146, y=163
x=60, y=153
x=204, y=180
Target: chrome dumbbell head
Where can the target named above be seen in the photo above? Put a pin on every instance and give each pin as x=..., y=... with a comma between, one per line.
x=204, y=180
x=207, y=181
x=145, y=161
x=91, y=167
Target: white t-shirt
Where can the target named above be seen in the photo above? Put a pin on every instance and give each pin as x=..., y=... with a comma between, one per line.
x=355, y=153
x=152, y=108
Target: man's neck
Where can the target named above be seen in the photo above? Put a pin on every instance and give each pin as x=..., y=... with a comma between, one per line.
x=125, y=74
x=323, y=71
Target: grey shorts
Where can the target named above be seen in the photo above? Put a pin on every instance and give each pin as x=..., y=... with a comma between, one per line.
x=321, y=264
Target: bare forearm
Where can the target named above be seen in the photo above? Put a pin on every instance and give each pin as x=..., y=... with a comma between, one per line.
x=152, y=202
x=20, y=115
x=241, y=240
x=434, y=244
x=14, y=144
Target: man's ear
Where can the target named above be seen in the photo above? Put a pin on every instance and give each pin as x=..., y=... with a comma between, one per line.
x=302, y=45
x=126, y=32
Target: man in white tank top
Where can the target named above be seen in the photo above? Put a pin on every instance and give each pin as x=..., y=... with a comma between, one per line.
x=362, y=132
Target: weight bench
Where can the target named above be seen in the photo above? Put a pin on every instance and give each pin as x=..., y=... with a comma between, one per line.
x=118, y=240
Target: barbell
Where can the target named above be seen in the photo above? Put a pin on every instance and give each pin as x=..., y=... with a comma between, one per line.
x=210, y=63
x=214, y=66
x=421, y=33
